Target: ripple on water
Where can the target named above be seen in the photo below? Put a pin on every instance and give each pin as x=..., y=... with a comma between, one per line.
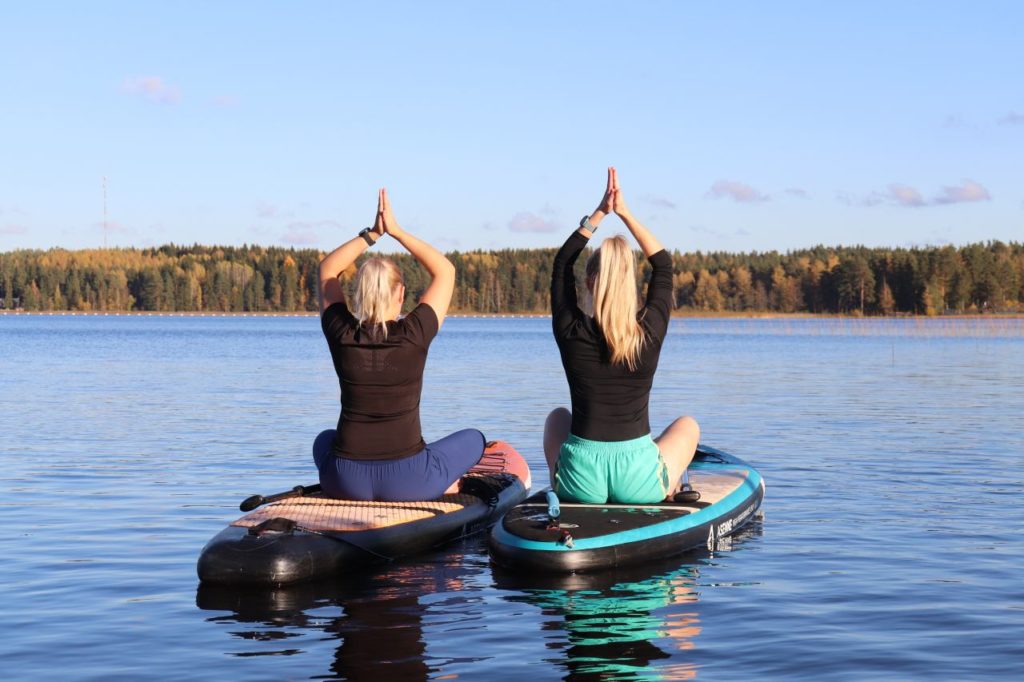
x=889, y=549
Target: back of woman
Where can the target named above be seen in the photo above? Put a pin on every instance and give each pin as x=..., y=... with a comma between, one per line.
x=381, y=379
x=603, y=450
x=378, y=451
x=610, y=398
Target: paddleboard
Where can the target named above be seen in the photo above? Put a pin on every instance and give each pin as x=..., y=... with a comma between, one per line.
x=308, y=537
x=582, y=538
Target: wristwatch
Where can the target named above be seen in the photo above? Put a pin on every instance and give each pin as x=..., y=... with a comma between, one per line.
x=585, y=224
x=365, y=234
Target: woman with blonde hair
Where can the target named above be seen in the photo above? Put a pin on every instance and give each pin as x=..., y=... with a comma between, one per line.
x=603, y=451
x=378, y=452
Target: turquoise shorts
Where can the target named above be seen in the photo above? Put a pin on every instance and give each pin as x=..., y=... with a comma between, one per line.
x=621, y=472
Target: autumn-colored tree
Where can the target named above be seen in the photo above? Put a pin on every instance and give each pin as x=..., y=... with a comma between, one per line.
x=978, y=277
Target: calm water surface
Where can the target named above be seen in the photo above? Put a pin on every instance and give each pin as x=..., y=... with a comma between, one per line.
x=890, y=548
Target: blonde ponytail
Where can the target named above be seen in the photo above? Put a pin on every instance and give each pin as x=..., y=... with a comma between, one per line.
x=376, y=283
x=611, y=272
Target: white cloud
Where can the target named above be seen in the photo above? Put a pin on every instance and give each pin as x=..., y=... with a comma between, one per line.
x=660, y=202
x=905, y=195
x=1012, y=119
x=894, y=195
x=737, y=191
x=152, y=88
x=524, y=221
x=966, y=191
x=798, y=192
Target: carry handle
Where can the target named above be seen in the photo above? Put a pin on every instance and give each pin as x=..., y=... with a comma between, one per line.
x=553, y=509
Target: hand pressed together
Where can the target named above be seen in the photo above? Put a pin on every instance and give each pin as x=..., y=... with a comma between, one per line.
x=385, y=215
x=613, y=201
x=618, y=201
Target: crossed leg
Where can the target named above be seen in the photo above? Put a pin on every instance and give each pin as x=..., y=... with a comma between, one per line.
x=556, y=431
x=677, y=444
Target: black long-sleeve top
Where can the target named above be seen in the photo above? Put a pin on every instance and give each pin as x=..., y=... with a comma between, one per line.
x=609, y=402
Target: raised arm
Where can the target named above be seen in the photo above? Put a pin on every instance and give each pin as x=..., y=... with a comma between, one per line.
x=658, y=306
x=439, y=294
x=329, y=289
x=563, y=280
x=649, y=244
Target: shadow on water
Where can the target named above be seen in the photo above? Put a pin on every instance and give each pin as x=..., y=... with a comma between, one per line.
x=376, y=616
x=625, y=624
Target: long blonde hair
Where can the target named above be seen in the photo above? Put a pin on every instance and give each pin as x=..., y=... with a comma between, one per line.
x=611, y=274
x=376, y=283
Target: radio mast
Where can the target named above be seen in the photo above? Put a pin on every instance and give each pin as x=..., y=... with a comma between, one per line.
x=104, y=211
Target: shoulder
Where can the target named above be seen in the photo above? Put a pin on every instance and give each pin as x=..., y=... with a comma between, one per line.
x=420, y=324
x=337, y=315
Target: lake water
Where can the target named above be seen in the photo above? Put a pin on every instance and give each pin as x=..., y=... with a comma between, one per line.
x=891, y=545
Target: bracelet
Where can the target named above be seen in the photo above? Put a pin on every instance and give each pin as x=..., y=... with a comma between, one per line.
x=365, y=234
x=585, y=224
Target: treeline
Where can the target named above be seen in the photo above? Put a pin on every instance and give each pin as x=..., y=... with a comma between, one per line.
x=976, y=278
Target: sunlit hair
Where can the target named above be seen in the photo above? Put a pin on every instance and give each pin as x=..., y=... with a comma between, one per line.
x=611, y=274
x=376, y=283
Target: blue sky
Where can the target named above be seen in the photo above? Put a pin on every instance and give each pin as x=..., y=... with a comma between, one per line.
x=734, y=126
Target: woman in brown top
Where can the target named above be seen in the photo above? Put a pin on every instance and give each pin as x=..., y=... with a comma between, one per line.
x=602, y=451
x=378, y=452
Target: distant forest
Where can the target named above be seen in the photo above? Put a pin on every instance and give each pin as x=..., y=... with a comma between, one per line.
x=978, y=278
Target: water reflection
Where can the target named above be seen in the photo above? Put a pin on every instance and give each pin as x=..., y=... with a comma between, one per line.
x=429, y=618
x=628, y=624
x=376, y=618
x=614, y=626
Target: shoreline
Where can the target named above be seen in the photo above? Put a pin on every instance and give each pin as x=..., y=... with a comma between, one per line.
x=675, y=314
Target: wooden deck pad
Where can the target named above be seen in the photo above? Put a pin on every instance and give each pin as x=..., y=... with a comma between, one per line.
x=325, y=514
x=716, y=485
